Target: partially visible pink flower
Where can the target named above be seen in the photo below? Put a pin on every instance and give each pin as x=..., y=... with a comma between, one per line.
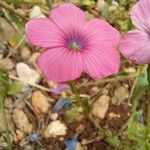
x=74, y=45
x=135, y=45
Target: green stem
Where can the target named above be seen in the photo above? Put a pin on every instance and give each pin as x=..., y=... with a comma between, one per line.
x=5, y=124
x=74, y=90
x=77, y=99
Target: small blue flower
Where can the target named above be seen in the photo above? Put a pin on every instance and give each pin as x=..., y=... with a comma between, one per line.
x=61, y=103
x=72, y=143
x=33, y=137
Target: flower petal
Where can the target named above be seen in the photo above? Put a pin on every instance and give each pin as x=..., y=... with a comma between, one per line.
x=101, y=61
x=135, y=46
x=140, y=15
x=99, y=32
x=60, y=64
x=68, y=17
x=42, y=32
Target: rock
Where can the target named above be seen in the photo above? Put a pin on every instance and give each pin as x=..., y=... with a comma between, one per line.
x=100, y=107
x=21, y=121
x=6, y=30
x=27, y=74
x=25, y=52
x=7, y=64
x=36, y=13
x=20, y=135
x=33, y=59
x=113, y=115
x=100, y=5
x=54, y=116
x=121, y=93
x=8, y=103
x=40, y=102
x=55, y=129
x=80, y=128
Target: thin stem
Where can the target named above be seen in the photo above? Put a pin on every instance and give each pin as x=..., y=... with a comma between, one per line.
x=77, y=99
x=74, y=90
x=5, y=124
x=12, y=10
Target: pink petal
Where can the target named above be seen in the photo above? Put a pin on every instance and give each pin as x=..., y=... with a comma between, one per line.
x=101, y=61
x=60, y=64
x=68, y=17
x=99, y=32
x=135, y=46
x=140, y=15
x=42, y=32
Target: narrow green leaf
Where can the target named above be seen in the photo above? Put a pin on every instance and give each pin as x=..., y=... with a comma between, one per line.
x=141, y=87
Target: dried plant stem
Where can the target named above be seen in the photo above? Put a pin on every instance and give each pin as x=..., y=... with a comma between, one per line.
x=4, y=118
x=12, y=10
x=31, y=84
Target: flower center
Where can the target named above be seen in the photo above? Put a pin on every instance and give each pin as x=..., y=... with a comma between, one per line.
x=75, y=46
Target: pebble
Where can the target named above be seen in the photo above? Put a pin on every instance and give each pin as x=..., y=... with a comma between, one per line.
x=21, y=121
x=25, y=52
x=121, y=93
x=55, y=129
x=33, y=59
x=36, y=13
x=100, y=5
x=53, y=116
x=40, y=102
x=8, y=102
x=100, y=107
x=7, y=64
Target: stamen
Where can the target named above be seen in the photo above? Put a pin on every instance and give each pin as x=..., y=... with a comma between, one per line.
x=74, y=46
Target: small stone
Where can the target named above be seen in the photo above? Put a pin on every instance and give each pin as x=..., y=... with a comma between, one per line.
x=7, y=64
x=130, y=70
x=40, y=102
x=121, y=93
x=55, y=129
x=25, y=52
x=20, y=135
x=113, y=115
x=36, y=13
x=8, y=103
x=33, y=59
x=100, y=5
x=54, y=116
x=80, y=128
x=94, y=89
x=100, y=107
x=21, y=121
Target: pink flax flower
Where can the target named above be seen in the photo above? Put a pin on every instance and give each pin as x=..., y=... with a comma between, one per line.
x=74, y=45
x=135, y=45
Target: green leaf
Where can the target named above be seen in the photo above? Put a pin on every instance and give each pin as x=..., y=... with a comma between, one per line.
x=4, y=82
x=14, y=88
x=85, y=105
x=105, y=11
x=71, y=114
x=141, y=86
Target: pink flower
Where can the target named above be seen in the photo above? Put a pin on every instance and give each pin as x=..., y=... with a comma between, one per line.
x=135, y=45
x=74, y=45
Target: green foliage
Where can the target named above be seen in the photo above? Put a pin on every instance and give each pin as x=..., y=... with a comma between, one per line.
x=6, y=87
x=105, y=11
x=140, y=88
x=71, y=114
